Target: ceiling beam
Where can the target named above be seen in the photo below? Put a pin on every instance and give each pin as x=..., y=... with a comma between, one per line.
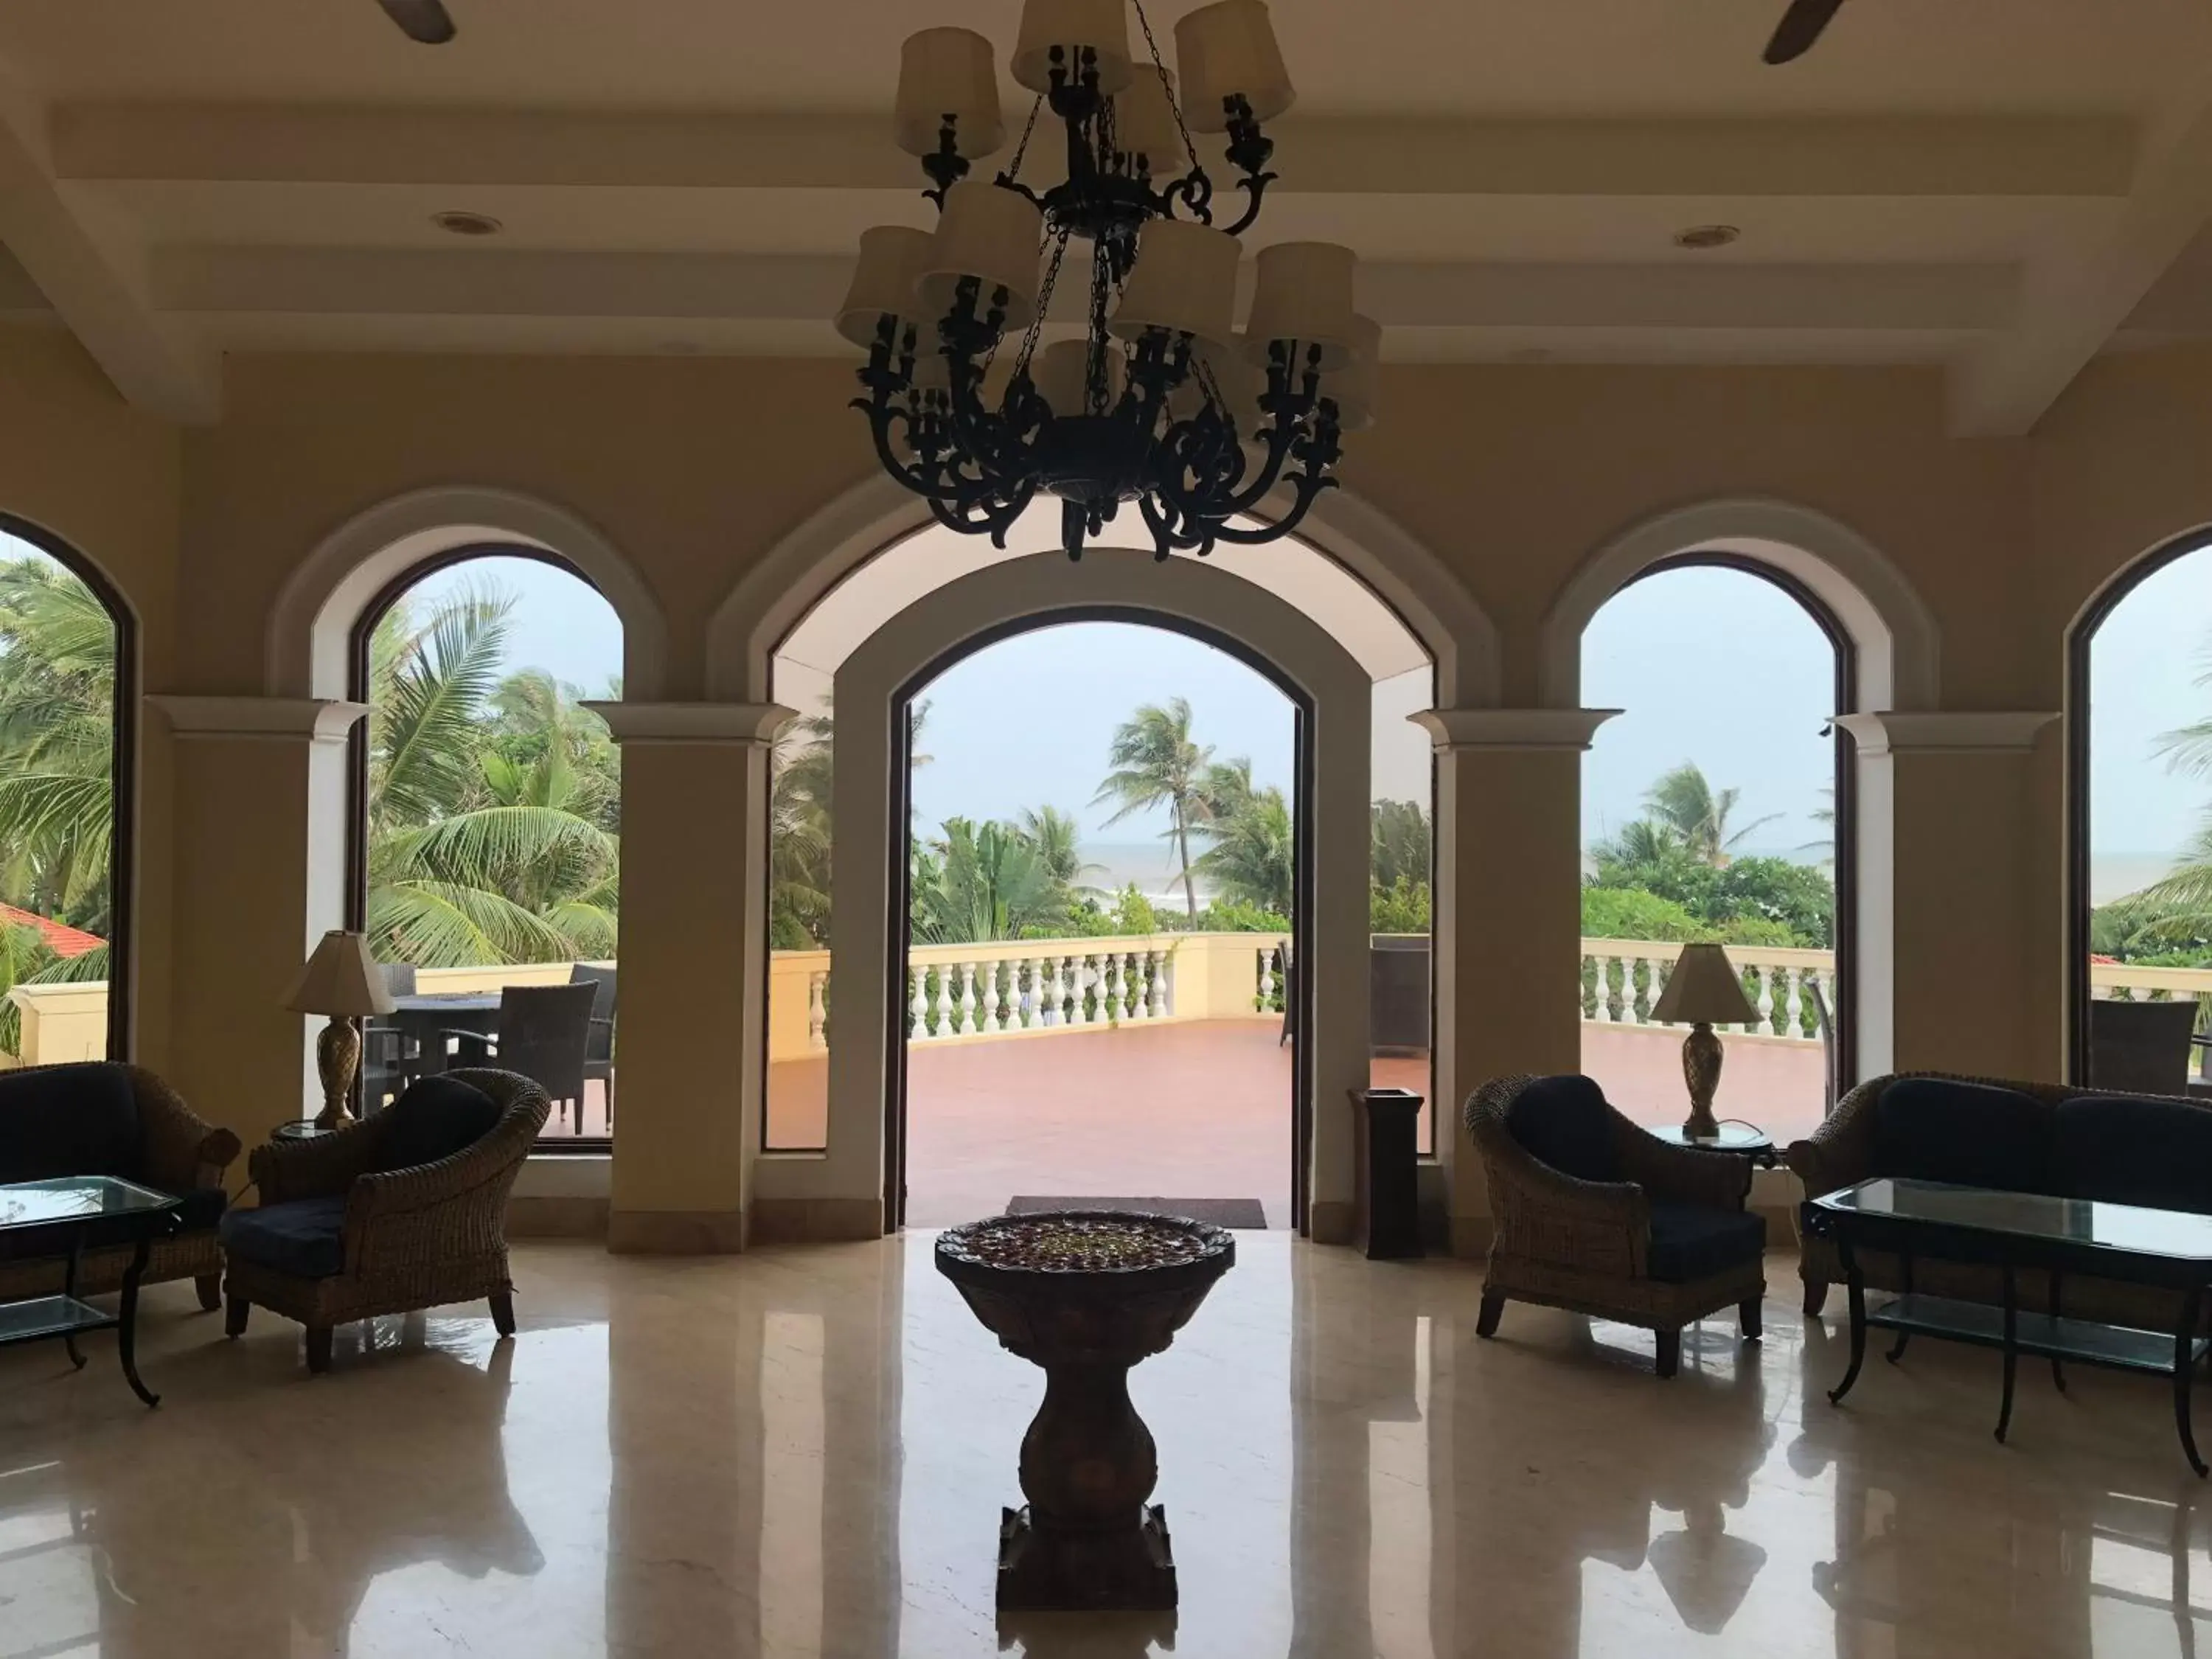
x=794, y=288
x=2005, y=156
x=97, y=294
x=2075, y=298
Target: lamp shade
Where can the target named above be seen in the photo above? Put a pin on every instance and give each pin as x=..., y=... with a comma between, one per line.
x=1061, y=371
x=1144, y=120
x=1352, y=386
x=1304, y=294
x=1228, y=50
x=1185, y=278
x=947, y=74
x=990, y=233
x=1703, y=990
x=892, y=257
x=341, y=977
x=1072, y=25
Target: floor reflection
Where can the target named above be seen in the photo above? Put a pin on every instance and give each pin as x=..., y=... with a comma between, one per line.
x=805, y=1452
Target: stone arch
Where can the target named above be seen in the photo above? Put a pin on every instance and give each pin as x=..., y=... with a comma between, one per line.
x=307, y=646
x=1032, y=592
x=1891, y=628
x=872, y=516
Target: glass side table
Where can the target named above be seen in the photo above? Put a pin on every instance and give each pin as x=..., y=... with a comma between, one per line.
x=62, y=1217
x=302, y=1128
x=1744, y=1139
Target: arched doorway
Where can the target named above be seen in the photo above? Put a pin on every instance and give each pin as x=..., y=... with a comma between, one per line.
x=2139, y=754
x=1163, y=974
x=68, y=694
x=484, y=817
x=1719, y=805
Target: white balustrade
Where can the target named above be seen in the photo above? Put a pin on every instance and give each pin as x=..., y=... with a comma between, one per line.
x=818, y=1009
x=1266, y=977
x=1777, y=981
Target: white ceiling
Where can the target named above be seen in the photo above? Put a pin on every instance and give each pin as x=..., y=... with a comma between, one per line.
x=1996, y=186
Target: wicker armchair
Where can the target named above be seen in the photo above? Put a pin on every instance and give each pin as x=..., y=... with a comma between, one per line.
x=171, y=1148
x=1590, y=1245
x=414, y=1237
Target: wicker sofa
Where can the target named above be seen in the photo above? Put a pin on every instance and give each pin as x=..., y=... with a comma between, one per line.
x=403, y=1210
x=2022, y=1137
x=103, y=1117
x=1592, y=1214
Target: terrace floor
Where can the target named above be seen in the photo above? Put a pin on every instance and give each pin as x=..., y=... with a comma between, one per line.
x=1201, y=1111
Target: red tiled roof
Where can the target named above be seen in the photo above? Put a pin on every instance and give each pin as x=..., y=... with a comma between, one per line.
x=61, y=938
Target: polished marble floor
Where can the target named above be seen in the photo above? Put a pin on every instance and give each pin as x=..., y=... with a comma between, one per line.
x=803, y=1451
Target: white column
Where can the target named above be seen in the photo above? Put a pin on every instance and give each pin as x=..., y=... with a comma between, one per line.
x=1764, y=1001
x=1078, y=973
x=967, y=998
x=944, y=999
x=1266, y=976
x=1656, y=968
x=992, y=969
x=1602, y=1013
x=1166, y=979
x=818, y=1013
x=1793, y=1002
x=918, y=1005
x=1117, y=986
x=1146, y=963
x=1052, y=991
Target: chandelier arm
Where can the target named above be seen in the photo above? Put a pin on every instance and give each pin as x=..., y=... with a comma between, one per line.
x=1308, y=485
x=882, y=415
x=1257, y=185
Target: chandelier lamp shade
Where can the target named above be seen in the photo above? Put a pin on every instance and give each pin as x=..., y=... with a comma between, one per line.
x=1142, y=390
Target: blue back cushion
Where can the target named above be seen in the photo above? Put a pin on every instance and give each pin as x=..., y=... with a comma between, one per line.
x=2126, y=1150
x=1972, y=1134
x=436, y=1117
x=76, y=1120
x=1565, y=1122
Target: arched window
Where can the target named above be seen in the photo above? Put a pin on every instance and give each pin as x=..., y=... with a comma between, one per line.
x=68, y=667
x=2139, y=711
x=485, y=834
x=1718, y=807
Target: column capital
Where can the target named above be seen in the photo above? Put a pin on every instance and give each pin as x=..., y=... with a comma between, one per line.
x=1453, y=730
x=746, y=725
x=1947, y=731
x=315, y=720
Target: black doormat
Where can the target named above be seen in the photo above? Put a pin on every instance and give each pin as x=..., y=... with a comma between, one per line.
x=1213, y=1211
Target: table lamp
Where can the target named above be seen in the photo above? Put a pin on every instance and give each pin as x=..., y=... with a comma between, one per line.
x=1705, y=991
x=341, y=980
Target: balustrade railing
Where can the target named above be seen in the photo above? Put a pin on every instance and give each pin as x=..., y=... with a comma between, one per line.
x=1621, y=980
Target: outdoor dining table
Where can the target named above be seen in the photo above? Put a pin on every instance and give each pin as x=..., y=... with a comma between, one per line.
x=425, y=1015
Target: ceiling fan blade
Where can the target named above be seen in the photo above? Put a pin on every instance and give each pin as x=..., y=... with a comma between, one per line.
x=1800, y=28
x=427, y=23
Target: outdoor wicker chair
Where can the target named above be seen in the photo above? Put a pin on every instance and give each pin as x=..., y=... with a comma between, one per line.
x=402, y=1211
x=1592, y=1214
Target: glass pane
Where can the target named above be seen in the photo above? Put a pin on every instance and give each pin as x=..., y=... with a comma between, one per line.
x=73, y=1197
x=1401, y=910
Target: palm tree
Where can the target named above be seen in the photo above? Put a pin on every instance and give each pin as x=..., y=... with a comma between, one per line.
x=983, y=882
x=484, y=843
x=1156, y=764
x=798, y=834
x=1058, y=839
x=57, y=742
x=1254, y=852
x=1400, y=837
x=1683, y=801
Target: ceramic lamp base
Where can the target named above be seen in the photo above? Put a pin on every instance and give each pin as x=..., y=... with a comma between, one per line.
x=338, y=1056
x=1701, y=1071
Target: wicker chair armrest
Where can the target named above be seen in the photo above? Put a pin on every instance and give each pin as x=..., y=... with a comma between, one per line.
x=288, y=1170
x=1681, y=1175
x=183, y=1152
x=1841, y=1150
x=456, y=1202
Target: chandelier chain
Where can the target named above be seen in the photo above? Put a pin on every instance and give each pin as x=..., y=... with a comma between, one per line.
x=1022, y=147
x=1174, y=104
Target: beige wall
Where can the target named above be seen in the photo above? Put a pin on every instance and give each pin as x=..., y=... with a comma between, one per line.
x=693, y=469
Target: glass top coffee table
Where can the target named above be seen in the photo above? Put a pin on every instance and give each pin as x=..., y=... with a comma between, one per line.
x=61, y=1217
x=2170, y=1249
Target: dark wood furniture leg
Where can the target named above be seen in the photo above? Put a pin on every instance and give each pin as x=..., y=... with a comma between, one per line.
x=1855, y=1283
x=502, y=1313
x=1670, y=1353
x=69, y=1289
x=1485, y=1319
x=1816, y=1297
x=2011, y=1350
x=209, y=1286
x=2184, y=1367
x=127, y=1332
x=1747, y=1312
x=234, y=1316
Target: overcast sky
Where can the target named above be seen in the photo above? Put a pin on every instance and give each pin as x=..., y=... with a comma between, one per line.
x=1711, y=665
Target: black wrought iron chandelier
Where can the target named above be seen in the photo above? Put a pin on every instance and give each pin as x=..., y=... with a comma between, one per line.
x=1161, y=401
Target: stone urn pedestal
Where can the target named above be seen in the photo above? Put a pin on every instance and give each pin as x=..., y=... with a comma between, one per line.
x=1085, y=1295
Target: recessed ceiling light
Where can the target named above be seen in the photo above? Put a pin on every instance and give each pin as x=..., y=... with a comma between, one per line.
x=1705, y=236
x=467, y=224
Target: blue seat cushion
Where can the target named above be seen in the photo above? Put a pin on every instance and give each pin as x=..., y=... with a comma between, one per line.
x=305, y=1239
x=2129, y=1150
x=1691, y=1242
x=436, y=1117
x=1564, y=1121
x=75, y=1120
x=1971, y=1134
